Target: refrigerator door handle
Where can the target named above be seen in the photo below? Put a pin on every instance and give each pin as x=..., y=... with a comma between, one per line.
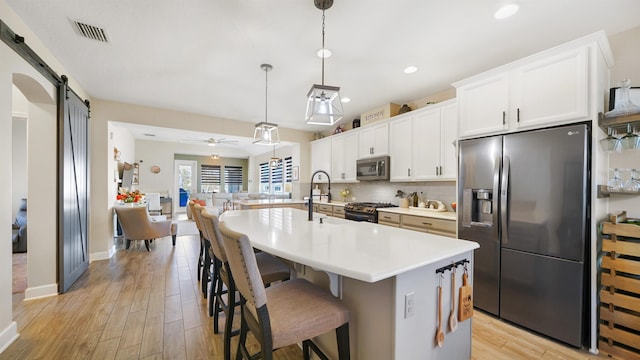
x=494, y=200
x=504, y=201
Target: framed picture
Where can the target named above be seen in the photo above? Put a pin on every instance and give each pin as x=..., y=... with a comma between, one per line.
x=296, y=173
x=634, y=96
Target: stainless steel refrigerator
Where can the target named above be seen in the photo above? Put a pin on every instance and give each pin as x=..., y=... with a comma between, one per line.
x=524, y=197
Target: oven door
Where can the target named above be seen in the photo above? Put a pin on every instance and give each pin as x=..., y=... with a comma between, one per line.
x=358, y=216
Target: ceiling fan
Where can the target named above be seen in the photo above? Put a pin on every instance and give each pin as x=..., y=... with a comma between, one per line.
x=212, y=141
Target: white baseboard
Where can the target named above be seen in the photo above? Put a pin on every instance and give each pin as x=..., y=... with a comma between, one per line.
x=41, y=291
x=8, y=336
x=102, y=255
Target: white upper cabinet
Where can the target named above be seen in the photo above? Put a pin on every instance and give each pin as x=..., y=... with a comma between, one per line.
x=373, y=140
x=549, y=88
x=321, y=159
x=449, y=145
x=400, y=149
x=344, y=153
x=484, y=106
x=421, y=145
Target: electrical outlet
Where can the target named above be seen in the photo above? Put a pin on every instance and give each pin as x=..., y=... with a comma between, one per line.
x=409, y=303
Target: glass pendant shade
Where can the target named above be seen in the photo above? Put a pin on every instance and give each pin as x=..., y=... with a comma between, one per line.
x=266, y=134
x=324, y=106
x=274, y=161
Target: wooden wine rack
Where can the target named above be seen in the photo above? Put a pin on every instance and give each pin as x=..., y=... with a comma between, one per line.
x=620, y=292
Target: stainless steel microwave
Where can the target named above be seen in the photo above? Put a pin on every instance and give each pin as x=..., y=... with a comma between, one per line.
x=373, y=168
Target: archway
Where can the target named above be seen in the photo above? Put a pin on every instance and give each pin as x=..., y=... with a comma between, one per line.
x=41, y=178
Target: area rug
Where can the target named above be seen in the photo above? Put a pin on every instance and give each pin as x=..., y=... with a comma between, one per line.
x=187, y=227
x=19, y=273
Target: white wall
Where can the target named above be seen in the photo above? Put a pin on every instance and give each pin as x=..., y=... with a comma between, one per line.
x=11, y=63
x=626, y=51
x=19, y=162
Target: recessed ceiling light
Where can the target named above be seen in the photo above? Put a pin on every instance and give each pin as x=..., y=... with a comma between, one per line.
x=324, y=53
x=506, y=11
x=346, y=100
x=410, y=69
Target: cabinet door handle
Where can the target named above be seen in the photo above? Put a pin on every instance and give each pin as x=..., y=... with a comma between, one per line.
x=437, y=171
x=426, y=223
x=371, y=150
x=387, y=217
x=408, y=171
x=440, y=171
x=518, y=116
x=504, y=118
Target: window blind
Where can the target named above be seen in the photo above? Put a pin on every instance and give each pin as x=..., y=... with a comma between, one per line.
x=233, y=175
x=210, y=174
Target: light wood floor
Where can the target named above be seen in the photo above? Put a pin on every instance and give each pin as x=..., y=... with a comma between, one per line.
x=148, y=305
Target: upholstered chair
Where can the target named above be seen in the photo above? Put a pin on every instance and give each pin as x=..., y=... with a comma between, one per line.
x=138, y=225
x=271, y=270
x=284, y=314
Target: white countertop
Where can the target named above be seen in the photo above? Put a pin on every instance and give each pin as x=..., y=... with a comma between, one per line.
x=359, y=250
x=445, y=215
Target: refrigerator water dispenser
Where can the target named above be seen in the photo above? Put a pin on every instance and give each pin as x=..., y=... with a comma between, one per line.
x=477, y=207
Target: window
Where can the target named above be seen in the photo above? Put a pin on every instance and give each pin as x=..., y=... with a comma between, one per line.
x=210, y=178
x=232, y=178
x=273, y=180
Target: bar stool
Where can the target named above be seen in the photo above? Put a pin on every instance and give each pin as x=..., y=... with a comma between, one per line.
x=283, y=314
x=192, y=205
x=204, y=261
x=271, y=269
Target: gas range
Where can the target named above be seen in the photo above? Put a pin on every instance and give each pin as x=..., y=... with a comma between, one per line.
x=364, y=211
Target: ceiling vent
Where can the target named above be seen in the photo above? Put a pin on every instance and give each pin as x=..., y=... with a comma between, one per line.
x=91, y=32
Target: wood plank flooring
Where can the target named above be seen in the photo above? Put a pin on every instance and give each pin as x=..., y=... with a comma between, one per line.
x=148, y=305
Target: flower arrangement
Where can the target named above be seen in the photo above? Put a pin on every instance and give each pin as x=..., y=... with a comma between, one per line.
x=344, y=193
x=130, y=196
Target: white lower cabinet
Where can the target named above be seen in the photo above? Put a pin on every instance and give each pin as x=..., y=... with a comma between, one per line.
x=422, y=144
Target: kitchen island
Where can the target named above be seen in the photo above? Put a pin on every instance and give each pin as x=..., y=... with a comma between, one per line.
x=386, y=276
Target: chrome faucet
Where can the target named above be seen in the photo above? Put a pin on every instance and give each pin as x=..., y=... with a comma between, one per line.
x=311, y=192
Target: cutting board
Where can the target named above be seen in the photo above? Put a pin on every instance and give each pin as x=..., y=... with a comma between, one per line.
x=465, y=305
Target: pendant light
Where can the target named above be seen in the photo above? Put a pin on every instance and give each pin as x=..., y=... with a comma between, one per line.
x=274, y=161
x=266, y=133
x=324, y=106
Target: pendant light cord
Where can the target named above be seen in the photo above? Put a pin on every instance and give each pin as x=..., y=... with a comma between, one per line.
x=266, y=92
x=324, y=52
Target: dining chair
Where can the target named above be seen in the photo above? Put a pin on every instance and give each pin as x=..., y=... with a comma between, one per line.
x=137, y=224
x=271, y=270
x=284, y=314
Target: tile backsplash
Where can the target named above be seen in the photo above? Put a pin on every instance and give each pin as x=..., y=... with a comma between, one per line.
x=384, y=191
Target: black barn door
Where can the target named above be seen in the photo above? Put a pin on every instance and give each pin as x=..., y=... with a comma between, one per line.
x=73, y=202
